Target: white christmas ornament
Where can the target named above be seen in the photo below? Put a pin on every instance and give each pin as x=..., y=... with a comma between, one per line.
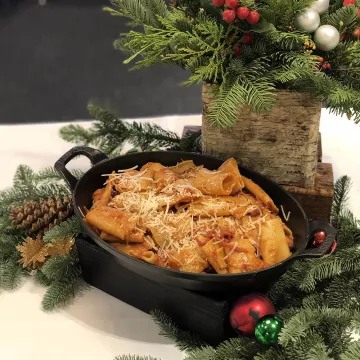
x=320, y=6
x=308, y=21
x=326, y=37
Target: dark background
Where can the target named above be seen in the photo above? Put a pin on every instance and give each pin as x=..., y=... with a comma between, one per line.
x=57, y=57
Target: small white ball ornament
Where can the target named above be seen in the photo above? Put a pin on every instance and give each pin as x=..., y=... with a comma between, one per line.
x=320, y=6
x=308, y=21
x=326, y=38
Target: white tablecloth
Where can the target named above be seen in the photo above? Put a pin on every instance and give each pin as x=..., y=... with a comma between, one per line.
x=98, y=326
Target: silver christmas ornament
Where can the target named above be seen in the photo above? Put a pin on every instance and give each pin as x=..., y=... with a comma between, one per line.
x=320, y=6
x=308, y=21
x=326, y=37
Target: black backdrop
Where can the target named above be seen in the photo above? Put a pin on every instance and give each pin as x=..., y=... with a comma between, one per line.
x=55, y=58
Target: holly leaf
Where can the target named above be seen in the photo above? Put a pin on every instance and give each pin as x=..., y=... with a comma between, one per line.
x=262, y=26
x=60, y=247
x=33, y=253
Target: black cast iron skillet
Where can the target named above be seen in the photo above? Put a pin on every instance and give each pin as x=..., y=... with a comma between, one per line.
x=302, y=228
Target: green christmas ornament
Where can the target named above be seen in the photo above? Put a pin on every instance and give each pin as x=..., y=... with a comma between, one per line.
x=268, y=328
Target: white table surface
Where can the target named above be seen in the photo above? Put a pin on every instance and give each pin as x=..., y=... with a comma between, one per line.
x=97, y=326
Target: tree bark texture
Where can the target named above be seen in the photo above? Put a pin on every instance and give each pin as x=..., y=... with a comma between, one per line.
x=281, y=144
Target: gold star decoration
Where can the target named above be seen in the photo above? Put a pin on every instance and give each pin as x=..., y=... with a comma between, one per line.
x=33, y=252
x=60, y=247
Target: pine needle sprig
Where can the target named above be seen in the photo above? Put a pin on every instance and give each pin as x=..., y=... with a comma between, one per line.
x=341, y=193
x=61, y=293
x=109, y=133
x=135, y=357
x=69, y=228
x=184, y=340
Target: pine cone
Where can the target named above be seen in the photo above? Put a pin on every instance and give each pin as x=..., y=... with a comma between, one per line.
x=38, y=217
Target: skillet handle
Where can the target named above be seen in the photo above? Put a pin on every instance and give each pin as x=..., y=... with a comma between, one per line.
x=95, y=156
x=323, y=249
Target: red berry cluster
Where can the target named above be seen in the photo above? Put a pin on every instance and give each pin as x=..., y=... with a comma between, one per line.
x=233, y=10
x=325, y=65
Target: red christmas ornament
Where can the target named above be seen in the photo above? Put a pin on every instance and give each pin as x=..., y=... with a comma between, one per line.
x=229, y=16
x=237, y=50
x=218, y=2
x=247, y=311
x=248, y=38
x=253, y=17
x=242, y=12
x=349, y=2
x=356, y=32
x=232, y=4
x=320, y=236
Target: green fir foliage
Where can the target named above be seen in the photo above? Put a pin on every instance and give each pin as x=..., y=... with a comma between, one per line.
x=68, y=228
x=109, y=134
x=134, y=357
x=191, y=34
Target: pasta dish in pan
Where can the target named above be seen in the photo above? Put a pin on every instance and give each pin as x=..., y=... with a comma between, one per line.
x=191, y=219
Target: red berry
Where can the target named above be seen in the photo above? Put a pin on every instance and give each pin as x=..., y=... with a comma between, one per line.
x=349, y=2
x=237, y=50
x=328, y=66
x=232, y=4
x=218, y=2
x=248, y=38
x=356, y=32
x=229, y=15
x=242, y=12
x=321, y=59
x=253, y=17
x=324, y=66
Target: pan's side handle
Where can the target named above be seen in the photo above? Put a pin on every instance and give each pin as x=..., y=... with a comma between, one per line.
x=323, y=249
x=95, y=156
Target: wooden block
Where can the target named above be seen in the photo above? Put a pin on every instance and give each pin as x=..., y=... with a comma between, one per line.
x=280, y=144
x=317, y=201
x=320, y=149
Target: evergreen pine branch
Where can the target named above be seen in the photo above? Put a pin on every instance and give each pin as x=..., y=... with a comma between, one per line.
x=202, y=353
x=77, y=134
x=347, y=14
x=110, y=133
x=61, y=293
x=184, y=340
x=328, y=267
x=135, y=357
x=11, y=275
x=148, y=135
x=68, y=228
x=140, y=11
x=341, y=192
x=353, y=351
x=41, y=279
x=187, y=142
x=59, y=268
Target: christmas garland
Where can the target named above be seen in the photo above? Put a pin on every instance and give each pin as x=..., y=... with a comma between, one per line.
x=317, y=300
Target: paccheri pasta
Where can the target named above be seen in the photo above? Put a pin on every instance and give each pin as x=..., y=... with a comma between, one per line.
x=191, y=219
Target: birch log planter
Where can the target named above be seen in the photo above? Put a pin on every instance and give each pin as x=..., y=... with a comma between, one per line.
x=281, y=144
